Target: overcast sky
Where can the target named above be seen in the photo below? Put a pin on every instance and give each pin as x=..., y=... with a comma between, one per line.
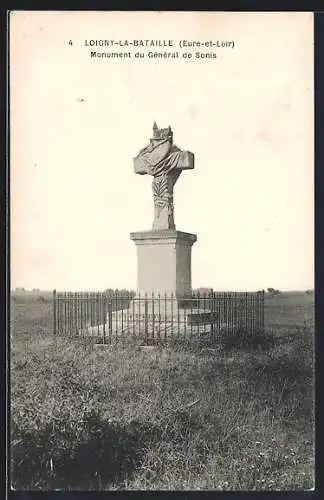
x=77, y=122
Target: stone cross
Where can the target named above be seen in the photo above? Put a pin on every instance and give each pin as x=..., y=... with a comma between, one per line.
x=164, y=161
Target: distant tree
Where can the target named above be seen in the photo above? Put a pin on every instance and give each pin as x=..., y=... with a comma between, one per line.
x=273, y=291
x=309, y=292
x=202, y=291
x=121, y=292
x=41, y=299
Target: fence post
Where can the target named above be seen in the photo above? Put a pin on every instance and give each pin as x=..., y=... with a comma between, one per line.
x=146, y=317
x=211, y=308
x=110, y=318
x=104, y=316
x=153, y=318
x=262, y=311
x=54, y=312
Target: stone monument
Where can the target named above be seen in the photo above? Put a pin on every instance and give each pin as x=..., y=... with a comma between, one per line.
x=163, y=253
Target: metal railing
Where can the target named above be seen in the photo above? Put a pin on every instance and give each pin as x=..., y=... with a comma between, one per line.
x=157, y=318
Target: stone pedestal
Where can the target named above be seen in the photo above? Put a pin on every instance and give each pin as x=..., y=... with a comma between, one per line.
x=164, y=262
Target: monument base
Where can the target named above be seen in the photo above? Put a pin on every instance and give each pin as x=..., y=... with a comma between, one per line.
x=152, y=320
x=162, y=310
x=164, y=261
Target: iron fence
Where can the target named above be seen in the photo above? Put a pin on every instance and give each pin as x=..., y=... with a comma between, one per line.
x=157, y=318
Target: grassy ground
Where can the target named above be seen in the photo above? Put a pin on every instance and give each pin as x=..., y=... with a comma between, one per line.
x=118, y=417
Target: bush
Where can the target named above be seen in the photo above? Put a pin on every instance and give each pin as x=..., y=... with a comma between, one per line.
x=42, y=299
x=273, y=292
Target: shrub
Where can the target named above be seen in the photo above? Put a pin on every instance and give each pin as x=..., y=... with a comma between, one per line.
x=41, y=299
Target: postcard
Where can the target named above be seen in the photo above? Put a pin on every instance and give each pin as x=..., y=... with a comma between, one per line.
x=162, y=250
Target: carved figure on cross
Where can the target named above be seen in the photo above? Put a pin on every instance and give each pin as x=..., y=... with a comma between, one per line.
x=164, y=161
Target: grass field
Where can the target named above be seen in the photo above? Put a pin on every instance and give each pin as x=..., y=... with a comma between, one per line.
x=120, y=417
